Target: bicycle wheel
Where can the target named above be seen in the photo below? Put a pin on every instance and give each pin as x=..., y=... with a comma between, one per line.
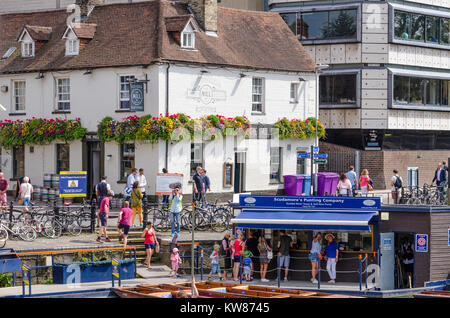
x=186, y=220
x=160, y=221
x=3, y=237
x=54, y=229
x=219, y=222
x=73, y=226
x=85, y=220
x=27, y=233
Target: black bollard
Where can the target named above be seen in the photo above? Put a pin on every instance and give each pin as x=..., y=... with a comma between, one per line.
x=93, y=216
x=56, y=210
x=11, y=208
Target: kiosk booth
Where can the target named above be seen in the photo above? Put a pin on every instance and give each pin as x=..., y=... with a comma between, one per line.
x=353, y=221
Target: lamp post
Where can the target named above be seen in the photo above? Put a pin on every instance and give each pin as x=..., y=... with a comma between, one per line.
x=317, y=69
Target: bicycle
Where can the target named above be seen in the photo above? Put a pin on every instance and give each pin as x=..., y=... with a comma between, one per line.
x=66, y=221
x=26, y=233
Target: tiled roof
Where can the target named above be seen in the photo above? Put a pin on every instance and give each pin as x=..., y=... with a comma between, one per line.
x=39, y=33
x=84, y=30
x=177, y=23
x=138, y=34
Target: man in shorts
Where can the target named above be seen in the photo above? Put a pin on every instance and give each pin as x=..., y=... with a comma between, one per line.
x=4, y=185
x=103, y=215
x=284, y=244
x=124, y=222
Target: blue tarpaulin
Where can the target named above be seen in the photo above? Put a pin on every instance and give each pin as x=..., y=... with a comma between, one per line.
x=304, y=220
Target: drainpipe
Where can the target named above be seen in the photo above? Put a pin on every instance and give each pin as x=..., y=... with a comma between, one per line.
x=166, y=162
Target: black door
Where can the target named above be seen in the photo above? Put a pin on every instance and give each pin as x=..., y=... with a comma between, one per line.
x=239, y=172
x=94, y=165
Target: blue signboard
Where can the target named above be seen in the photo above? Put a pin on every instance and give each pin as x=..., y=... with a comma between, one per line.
x=303, y=155
x=309, y=202
x=72, y=184
x=421, y=242
x=137, y=96
x=316, y=149
x=320, y=155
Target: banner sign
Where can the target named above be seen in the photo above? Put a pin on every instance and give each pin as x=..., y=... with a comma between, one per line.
x=137, y=97
x=166, y=182
x=309, y=203
x=72, y=184
x=421, y=242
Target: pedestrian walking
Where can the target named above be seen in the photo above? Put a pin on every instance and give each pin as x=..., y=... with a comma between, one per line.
x=344, y=186
x=17, y=193
x=142, y=182
x=226, y=254
x=176, y=261
x=150, y=242
x=131, y=179
x=396, y=185
x=165, y=197
x=176, y=206
x=364, y=180
x=103, y=215
x=332, y=254
x=215, y=267
x=247, y=260
x=26, y=189
x=101, y=191
x=199, y=189
x=206, y=184
x=284, y=244
x=351, y=175
x=4, y=186
x=440, y=176
x=136, y=203
x=315, y=256
x=264, y=257
x=237, y=253
x=124, y=222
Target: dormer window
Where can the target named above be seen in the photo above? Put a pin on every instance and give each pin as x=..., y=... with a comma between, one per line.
x=76, y=34
x=188, y=40
x=28, y=49
x=183, y=29
x=72, y=47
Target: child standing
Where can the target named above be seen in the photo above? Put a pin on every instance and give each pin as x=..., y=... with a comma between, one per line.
x=215, y=267
x=176, y=261
x=247, y=265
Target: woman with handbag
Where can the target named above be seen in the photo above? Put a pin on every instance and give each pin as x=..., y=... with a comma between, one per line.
x=315, y=256
x=265, y=255
x=151, y=243
x=136, y=203
x=364, y=181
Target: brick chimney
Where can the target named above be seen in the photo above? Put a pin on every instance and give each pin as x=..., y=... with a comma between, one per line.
x=86, y=6
x=206, y=13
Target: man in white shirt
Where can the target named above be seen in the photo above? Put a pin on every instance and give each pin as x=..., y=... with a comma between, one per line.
x=132, y=178
x=142, y=181
x=396, y=184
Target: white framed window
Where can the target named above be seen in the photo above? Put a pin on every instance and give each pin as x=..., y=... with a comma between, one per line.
x=275, y=164
x=28, y=49
x=63, y=93
x=188, y=40
x=72, y=47
x=124, y=91
x=294, y=93
x=19, y=88
x=258, y=94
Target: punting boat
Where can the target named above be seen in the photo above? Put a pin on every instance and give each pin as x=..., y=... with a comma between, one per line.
x=433, y=294
x=218, y=290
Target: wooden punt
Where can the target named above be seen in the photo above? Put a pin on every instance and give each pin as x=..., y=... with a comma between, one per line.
x=433, y=294
x=168, y=291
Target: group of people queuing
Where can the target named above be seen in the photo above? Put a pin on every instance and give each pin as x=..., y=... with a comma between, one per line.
x=237, y=250
x=201, y=184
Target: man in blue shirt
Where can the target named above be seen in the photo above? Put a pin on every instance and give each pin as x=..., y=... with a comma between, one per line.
x=351, y=175
x=199, y=186
x=332, y=253
x=206, y=183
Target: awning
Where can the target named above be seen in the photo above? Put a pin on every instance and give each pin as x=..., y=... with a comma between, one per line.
x=304, y=220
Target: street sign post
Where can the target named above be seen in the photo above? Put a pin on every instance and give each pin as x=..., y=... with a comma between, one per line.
x=316, y=149
x=303, y=155
x=320, y=161
x=320, y=155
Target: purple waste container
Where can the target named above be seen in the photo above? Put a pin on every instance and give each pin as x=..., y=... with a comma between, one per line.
x=334, y=179
x=327, y=183
x=293, y=184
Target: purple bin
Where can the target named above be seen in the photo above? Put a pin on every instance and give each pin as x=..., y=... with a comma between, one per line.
x=293, y=184
x=327, y=183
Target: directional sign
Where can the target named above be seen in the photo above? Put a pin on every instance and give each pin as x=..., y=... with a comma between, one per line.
x=303, y=155
x=115, y=270
x=320, y=155
x=316, y=149
x=320, y=161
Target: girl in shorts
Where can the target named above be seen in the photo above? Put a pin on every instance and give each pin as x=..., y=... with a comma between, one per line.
x=215, y=267
x=150, y=242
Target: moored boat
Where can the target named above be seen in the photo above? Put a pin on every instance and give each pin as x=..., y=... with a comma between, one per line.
x=433, y=294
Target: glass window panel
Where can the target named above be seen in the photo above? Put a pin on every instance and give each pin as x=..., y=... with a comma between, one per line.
x=433, y=91
x=314, y=25
x=275, y=164
x=342, y=24
x=337, y=89
x=445, y=29
x=417, y=27
x=62, y=157
x=445, y=91
x=402, y=25
x=291, y=21
x=196, y=156
x=18, y=162
x=432, y=29
x=127, y=157
x=417, y=90
x=401, y=89
x=326, y=84
x=301, y=164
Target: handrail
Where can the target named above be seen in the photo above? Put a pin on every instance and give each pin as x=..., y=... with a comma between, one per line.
x=76, y=251
x=187, y=243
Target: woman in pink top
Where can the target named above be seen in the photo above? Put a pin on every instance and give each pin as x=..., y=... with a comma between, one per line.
x=238, y=248
x=344, y=186
x=124, y=222
x=364, y=181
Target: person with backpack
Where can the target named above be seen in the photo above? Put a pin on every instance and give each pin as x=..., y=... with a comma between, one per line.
x=396, y=184
x=136, y=203
x=101, y=191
